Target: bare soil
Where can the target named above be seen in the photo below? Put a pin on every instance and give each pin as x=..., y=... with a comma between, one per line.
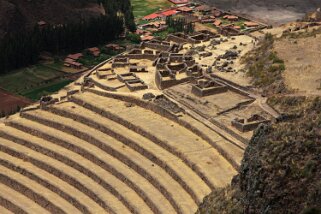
x=273, y=12
x=302, y=62
x=9, y=102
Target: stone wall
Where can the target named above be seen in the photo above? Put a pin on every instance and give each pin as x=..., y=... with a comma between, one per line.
x=42, y=165
x=156, y=46
x=136, y=85
x=202, y=92
x=124, y=139
x=142, y=56
x=111, y=151
x=105, y=87
x=246, y=125
x=163, y=112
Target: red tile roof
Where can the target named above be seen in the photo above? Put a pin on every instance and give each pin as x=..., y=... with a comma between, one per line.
x=185, y=9
x=75, y=56
x=231, y=17
x=151, y=16
x=42, y=23
x=138, y=31
x=217, y=23
x=93, y=49
x=169, y=13
x=147, y=38
x=251, y=24
x=203, y=8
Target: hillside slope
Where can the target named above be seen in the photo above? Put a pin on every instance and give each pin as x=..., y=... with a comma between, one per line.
x=15, y=14
x=280, y=171
x=274, y=12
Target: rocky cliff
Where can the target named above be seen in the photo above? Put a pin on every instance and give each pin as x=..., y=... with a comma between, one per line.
x=281, y=169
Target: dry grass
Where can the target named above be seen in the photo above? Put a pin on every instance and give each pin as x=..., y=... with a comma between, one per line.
x=301, y=53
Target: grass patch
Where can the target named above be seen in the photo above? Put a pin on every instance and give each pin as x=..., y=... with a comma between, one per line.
x=36, y=94
x=89, y=60
x=163, y=34
x=34, y=81
x=142, y=8
x=210, y=25
x=28, y=78
x=265, y=67
x=301, y=34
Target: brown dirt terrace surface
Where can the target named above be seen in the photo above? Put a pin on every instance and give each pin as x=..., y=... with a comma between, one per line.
x=8, y=102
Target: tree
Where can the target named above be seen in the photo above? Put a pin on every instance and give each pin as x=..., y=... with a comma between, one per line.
x=18, y=51
x=180, y=25
x=133, y=38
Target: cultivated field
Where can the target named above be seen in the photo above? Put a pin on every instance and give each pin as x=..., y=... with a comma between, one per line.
x=33, y=82
x=10, y=102
x=95, y=154
x=148, y=131
x=146, y=7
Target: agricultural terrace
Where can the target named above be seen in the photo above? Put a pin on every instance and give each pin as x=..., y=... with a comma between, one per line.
x=33, y=82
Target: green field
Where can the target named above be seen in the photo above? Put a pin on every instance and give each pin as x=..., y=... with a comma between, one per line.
x=37, y=93
x=31, y=80
x=89, y=60
x=146, y=7
x=25, y=79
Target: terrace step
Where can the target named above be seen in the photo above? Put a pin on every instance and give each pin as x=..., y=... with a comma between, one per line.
x=107, y=201
x=147, y=191
x=19, y=202
x=207, y=161
x=179, y=198
x=183, y=174
x=116, y=187
x=78, y=199
x=230, y=151
x=48, y=199
x=6, y=211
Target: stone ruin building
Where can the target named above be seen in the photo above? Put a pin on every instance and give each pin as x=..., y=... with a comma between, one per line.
x=249, y=124
x=205, y=87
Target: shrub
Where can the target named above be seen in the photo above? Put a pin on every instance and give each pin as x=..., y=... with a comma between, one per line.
x=133, y=38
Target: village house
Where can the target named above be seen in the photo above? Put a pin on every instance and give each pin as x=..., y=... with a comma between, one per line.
x=71, y=61
x=147, y=38
x=179, y=1
x=231, y=17
x=216, y=13
x=203, y=8
x=236, y=27
x=155, y=25
x=152, y=16
x=114, y=47
x=185, y=9
x=94, y=51
x=42, y=23
x=251, y=24
x=75, y=56
x=168, y=13
x=217, y=23
x=68, y=62
x=140, y=32
x=207, y=20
